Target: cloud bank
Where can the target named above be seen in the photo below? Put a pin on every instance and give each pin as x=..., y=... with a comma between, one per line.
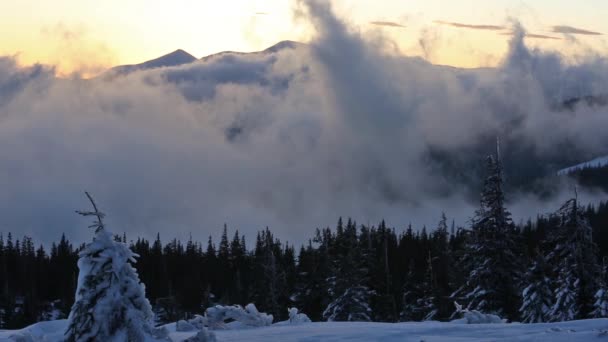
x=387, y=24
x=291, y=138
x=573, y=30
x=471, y=26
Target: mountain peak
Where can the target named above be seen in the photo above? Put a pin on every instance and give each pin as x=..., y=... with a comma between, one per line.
x=175, y=58
x=285, y=44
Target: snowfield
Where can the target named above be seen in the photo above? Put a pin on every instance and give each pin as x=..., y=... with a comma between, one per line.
x=584, y=330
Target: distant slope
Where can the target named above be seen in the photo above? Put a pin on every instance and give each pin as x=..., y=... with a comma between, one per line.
x=597, y=162
x=175, y=58
x=286, y=44
x=181, y=57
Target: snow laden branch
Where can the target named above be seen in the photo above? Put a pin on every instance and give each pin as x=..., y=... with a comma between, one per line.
x=98, y=225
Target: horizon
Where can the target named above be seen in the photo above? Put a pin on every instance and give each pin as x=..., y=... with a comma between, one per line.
x=79, y=38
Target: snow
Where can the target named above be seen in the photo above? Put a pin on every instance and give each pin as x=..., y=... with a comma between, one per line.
x=249, y=316
x=584, y=330
x=597, y=162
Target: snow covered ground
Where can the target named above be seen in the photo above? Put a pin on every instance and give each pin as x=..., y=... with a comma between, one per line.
x=574, y=331
x=597, y=162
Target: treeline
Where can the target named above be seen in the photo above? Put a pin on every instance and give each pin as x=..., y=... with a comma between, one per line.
x=549, y=268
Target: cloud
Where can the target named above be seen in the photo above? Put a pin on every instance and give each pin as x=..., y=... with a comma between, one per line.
x=75, y=52
x=291, y=138
x=387, y=24
x=470, y=26
x=573, y=30
x=532, y=35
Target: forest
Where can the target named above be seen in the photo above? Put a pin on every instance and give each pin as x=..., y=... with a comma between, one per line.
x=548, y=268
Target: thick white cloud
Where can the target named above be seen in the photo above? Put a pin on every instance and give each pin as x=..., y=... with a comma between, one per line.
x=291, y=139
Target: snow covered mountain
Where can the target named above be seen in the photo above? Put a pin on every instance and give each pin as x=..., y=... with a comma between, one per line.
x=175, y=58
x=181, y=57
x=597, y=162
x=283, y=45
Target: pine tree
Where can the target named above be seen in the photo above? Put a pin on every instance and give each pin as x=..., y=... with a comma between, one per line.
x=352, y=305
x=537, y=297
x=574, y=252
x=349, y=291
x=439, y=265
x=600, y=305
x=412, y=292
x=110, y=301
x=428, y=301
x=491, y=257
x=566, y=306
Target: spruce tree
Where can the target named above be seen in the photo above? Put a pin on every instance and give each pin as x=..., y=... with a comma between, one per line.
x=110, y=301
x=350, y=293
x=537, y=296
x=574, y=254
x=412, y=292
x=600, y=305
x=491, y=257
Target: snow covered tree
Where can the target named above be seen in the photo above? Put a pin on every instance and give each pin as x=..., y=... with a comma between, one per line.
x=574, y=254
x=600, y=305
x=491, y=257
x=566, y=306
x=110, y=302
x=412, y=293
x=348, y=289
x=352, y=305
x=537, y=297
x=428, y=301
x=439, y=268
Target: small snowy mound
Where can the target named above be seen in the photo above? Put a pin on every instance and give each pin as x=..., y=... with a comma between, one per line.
x=249, y=316
x=184, y=326
x=476, y=317
x=202, y=336
x=297, y=318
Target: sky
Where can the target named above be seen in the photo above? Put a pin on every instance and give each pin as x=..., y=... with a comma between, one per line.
x=87, y=36
x=353, y=123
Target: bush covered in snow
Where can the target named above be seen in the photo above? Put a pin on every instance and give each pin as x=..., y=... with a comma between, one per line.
x=184, y=326
x=476, y=317
x=296, y=318
x=217, y=315
x=202, y=336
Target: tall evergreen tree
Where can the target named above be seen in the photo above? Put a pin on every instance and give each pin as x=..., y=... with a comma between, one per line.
x=600, y=305
x=575, y=255
x=412, y=293
x=537, y=297
x=350, y=293
x=491, y=257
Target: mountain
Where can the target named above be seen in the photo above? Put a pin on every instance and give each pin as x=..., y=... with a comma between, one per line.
x=175, y=58
x=285, y=44
x=180, y=57
x=594, y=163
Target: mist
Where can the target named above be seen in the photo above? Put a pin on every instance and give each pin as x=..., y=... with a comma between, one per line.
x=290, y=139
